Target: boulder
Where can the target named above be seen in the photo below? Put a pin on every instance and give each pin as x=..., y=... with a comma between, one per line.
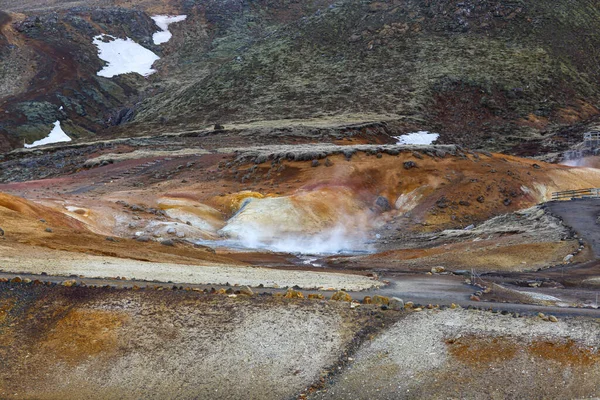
x=293, y=294
x=380, y=300
x=246, y=291
x=341, y=296
x=383, y=203
x=409, y=164
x=438, y=270
x=396, y=303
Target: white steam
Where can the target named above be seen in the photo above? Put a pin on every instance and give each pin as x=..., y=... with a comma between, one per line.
x=335, y=240
x=282, y=225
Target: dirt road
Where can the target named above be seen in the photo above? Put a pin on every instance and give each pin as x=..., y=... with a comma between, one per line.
x=580, y=214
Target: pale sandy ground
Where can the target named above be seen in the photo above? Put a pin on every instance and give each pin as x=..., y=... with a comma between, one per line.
x=474, y=355
x=55, y=262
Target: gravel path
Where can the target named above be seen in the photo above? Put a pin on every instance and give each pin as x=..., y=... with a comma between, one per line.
x=62, y=263
x=581, y=215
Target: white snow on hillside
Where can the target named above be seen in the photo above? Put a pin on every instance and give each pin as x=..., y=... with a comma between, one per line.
x=124, y=56
x=56, y=135
x=420, y=137
x=163, y=22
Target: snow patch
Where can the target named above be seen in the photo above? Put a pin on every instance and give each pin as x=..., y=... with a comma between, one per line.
x=124, y=56
x=420, y=137
x=163, y=22
x=56, y=135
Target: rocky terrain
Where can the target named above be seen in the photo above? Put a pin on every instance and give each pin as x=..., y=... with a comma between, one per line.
x=493, y=75
x=248, y=220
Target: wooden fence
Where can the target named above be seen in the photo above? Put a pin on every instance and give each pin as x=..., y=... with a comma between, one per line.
x=592, y=193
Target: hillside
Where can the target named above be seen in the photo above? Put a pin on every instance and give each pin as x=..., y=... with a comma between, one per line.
x=486, y=74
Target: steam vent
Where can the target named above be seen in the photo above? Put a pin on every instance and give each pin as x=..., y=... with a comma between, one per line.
x=214, y=199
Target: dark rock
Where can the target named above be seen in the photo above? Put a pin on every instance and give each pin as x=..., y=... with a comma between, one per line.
x=383, y=203
x=409, y=164
x=464, y=203
x=167, y=242
x=219, y=127
x=143, y=239
x=442, y=202
x=49, y=230
x=507, y=202
x=315, y=163
x=1, y=232
x=481, y=199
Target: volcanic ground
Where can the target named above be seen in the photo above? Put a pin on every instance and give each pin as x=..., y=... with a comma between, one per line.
x=299, y=251
x=164, y=256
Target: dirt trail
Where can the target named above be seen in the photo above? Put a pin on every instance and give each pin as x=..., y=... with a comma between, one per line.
x=581, y=215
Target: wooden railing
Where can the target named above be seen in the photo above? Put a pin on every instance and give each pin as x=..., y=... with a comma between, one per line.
x=577, y=194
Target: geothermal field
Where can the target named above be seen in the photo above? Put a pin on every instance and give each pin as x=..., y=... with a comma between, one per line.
x=299, y=200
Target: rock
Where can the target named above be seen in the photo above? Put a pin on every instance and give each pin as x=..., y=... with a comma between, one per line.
x=314, y=163
x=341, y=296
x=536, y=166
x=218, y=127
x=180, y=235
x=142, y=239
x=367, y=300
x=396, y=303
x=409, y=164
x=49, y=230
x=17, y=279
x=383, y=203
x=480, y=199
x=552, y=318
x=442, y=202
x=380, y=300
x=438, y=269
x=1, y=232
x=568, y=259
x=507, y=202
x=409, y=304
x=246, y=291
x=293, y=294
x=171, y=231
x=69, y=283
x=316, y=296
x=474, y=298
x=110, y=239
x=167, y=242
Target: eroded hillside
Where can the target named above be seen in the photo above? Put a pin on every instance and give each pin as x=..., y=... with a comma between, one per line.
x=486, y=74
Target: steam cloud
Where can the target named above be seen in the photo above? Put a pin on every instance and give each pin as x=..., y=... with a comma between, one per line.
x=334, y=240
